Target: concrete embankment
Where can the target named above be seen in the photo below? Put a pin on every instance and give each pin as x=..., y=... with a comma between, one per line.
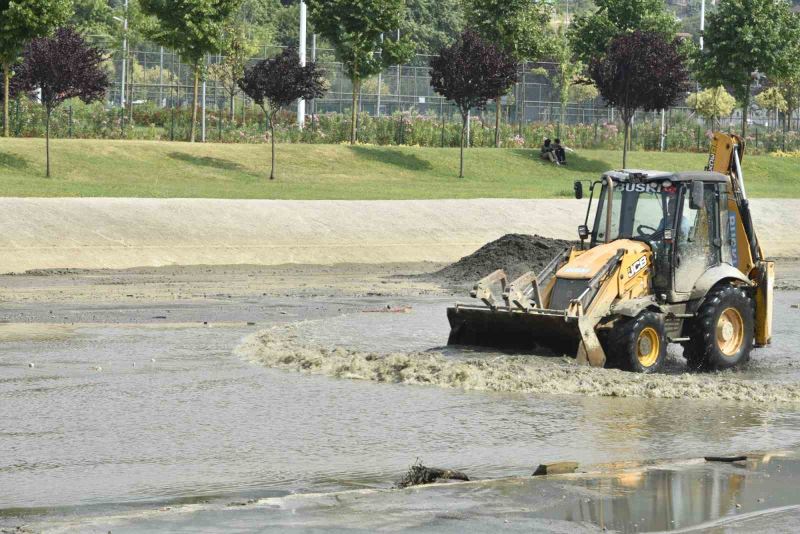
x=121, y=233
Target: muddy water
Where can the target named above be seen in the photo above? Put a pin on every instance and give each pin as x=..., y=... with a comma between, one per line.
x=115, y=418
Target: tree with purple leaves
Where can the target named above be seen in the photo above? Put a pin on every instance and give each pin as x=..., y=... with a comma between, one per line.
x=61, y=67
x=469, y=73
x=21, y=21
x=640, y=70
x=277, y=82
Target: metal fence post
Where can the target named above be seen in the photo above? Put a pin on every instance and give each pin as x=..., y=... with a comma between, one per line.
x=18, y=121
x=441, y=112
x=172, y=114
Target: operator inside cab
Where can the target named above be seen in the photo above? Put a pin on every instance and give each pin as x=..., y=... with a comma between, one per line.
x=647, y=211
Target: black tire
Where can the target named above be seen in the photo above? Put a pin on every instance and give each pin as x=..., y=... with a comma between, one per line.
x=713, y=346
x=629, y=339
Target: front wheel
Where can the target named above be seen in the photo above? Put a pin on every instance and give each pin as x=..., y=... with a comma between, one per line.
x=639, y=344
x=722, y=333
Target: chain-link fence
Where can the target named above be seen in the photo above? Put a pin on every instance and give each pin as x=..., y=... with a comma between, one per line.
x=152, y=91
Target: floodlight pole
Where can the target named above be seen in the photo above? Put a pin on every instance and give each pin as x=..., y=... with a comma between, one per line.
x=702, y=23
x=301, y=104
x=124, y=55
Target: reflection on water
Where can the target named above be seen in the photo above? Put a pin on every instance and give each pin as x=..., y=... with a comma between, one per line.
x=677, y=498
x=693, y=496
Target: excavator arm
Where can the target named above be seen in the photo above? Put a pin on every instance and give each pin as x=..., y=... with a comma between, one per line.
x=727, y=152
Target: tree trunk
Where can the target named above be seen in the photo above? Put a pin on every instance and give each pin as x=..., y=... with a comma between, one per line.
x=6, y=96
x=745, y=109
x=625, y=143
x=463, y=137
x=354, y=113
x=272, y=134
x=192, y=129
x=232, y=109
x=499, y=110
x=47, y=142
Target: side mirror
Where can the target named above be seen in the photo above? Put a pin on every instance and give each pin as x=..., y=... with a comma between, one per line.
x=583, y=232
x=698, y=198
x=578, y=187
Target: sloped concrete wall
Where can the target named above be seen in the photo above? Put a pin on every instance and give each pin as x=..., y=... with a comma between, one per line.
x=123, y=233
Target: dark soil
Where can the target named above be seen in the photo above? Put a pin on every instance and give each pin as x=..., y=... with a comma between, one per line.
x=515, y=253
x=418, y=475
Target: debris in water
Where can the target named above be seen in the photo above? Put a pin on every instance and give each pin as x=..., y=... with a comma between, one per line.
x=517, y=254
x=419, y=475
x=725, y=459
x=31, y=365
x=558, y=468
x=390, y=309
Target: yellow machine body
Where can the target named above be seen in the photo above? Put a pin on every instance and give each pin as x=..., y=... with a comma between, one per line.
x=583, y=292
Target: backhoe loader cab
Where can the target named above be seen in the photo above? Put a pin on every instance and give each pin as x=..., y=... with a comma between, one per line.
x=671, y=258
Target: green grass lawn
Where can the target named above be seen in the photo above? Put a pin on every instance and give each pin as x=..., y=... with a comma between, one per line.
x=91, y=168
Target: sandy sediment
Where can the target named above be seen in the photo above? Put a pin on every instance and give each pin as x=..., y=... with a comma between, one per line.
x=282, y=348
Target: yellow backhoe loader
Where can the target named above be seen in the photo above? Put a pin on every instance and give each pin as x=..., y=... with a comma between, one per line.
x=672, y=258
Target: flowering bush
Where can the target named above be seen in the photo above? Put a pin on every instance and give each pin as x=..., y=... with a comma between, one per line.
x=150, y=122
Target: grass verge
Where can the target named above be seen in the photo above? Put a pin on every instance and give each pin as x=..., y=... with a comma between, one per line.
x=98, y=168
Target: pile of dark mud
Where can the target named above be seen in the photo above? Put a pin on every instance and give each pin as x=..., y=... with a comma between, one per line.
x=515, y=253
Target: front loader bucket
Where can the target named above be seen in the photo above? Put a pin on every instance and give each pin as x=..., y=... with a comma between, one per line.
x=507, y=329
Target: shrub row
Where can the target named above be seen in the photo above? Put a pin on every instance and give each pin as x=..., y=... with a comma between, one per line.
x=149, y=122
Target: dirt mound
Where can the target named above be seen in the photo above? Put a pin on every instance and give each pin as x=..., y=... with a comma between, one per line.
x=515, y=253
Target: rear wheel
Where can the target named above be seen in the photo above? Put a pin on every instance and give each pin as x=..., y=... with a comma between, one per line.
x=722, y=333
x=638, y=344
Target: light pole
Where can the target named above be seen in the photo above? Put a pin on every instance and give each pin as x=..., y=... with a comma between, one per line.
x=301, y=104
x=124, y=53
x=124, y=22
x=702, y=22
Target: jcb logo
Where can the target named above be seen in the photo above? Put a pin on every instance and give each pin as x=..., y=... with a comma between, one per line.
x=637, y=266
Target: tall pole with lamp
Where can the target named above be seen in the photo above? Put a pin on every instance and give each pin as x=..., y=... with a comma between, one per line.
x=301, y=104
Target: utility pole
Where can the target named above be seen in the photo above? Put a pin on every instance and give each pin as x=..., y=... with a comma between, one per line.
x=161, y=102
x=124, y=55
x=301, y=104
x=702, y=22
x=380, y=83
x=314, y=59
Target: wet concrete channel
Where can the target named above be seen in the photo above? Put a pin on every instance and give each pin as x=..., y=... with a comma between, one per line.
x=136, y=417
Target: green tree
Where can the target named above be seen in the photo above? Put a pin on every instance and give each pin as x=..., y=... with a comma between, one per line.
x=93, y=17
x=771, y=99
x=237, y=50
x=284, y=21
x=712, y=104
x=742, y=38
x=434, y=24
x=363, y=34
x=592, y=32
x=519, y=27
x=566, y=74
x=789, y=83
x=194, y=28
x=20, y=22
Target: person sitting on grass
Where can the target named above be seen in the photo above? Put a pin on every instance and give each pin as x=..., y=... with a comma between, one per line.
x=548, y=153
x=561, y=152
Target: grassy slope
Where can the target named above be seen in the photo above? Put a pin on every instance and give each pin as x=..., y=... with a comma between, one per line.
x=159, y=169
